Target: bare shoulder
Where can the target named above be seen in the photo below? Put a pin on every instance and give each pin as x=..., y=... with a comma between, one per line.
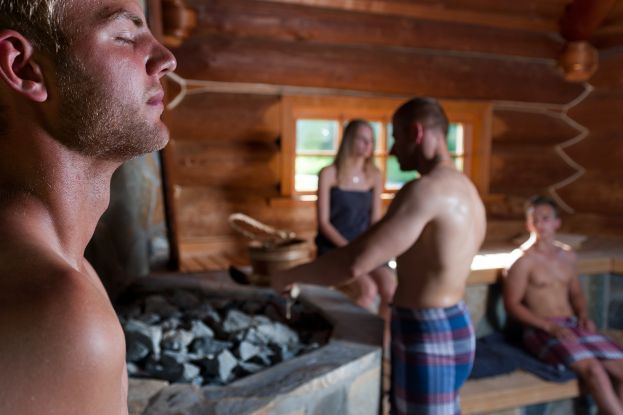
x=522, y=264
x=567, y=253
x=64, y=348
x=328, y=172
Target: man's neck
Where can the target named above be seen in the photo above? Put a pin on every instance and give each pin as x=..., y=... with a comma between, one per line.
x=545, y=245
x=58, y=202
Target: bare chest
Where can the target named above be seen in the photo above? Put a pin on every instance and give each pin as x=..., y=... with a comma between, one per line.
x=549, y=272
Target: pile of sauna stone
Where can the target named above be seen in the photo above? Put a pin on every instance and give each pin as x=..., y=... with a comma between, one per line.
x=184, y=337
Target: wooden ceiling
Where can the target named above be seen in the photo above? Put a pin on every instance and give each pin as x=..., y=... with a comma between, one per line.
x=541, y=16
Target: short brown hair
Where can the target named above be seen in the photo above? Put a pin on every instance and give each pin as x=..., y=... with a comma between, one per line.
x=540, y=200
x=426, y=110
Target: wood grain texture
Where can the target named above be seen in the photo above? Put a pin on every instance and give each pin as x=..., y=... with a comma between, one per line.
x=226, y=117
x=302, y=24
x=523, y=170
x=530, y=128
x=378, y=70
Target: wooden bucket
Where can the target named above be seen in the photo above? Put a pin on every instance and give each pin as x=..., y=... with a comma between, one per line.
x=265, y=260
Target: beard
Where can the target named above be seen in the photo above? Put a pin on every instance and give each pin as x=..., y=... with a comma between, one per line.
x=96, y=124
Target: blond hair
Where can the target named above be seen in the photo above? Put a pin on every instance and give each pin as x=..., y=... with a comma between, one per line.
x=41, y=21
x=345, y=150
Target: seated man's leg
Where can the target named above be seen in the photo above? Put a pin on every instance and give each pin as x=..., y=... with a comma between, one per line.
x=595, y=377
x=615, y=370
x=432, y=355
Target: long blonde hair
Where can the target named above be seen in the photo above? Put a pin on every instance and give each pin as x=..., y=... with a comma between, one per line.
x=345, y=150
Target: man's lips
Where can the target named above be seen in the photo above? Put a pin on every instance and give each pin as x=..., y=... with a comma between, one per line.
x=156, y=99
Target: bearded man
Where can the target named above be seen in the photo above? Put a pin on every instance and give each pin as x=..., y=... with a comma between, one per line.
x=80, y=93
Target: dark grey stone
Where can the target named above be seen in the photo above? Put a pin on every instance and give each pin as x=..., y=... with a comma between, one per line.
x=236, y=321
x=199, y=329
x=167, y=368
x=208, y=346
x=176, y=340
x=190, y=373
x=149, y=319
x=158, y=304
x=278, y=333
x=138, y=340
x=247, y=350
x=184, y=299
x=204, y=312
x=221, y=366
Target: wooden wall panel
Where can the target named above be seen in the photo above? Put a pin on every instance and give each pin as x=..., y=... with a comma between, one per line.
x=522, y=170
x=602, y=111
x=608, y=75
x=247, y=18
x=379, y=70
x=245, y=166
x=226, y=117
x=530, y=128
x=596, y=193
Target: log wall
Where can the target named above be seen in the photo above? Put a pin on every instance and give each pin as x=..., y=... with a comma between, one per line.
x=225, y=156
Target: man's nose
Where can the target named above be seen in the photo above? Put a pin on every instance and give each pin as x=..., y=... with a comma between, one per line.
x=162, y=61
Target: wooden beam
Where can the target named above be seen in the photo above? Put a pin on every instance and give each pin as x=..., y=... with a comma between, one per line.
x=583, y=17
x=301, y=24
x=433, y=12
x=379, y=70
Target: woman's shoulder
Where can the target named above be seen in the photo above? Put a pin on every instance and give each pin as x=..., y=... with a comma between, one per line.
x=328, y=172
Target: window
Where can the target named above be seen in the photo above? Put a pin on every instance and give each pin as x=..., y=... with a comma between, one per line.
x=313, y=128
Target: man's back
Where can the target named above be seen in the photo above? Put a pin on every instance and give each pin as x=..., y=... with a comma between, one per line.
x=432, y=273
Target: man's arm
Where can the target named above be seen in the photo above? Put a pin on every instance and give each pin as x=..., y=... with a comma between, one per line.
x=577, y=298
x=398, y=230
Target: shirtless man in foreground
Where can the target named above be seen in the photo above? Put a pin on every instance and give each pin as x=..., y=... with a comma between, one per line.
x=434, y=227
x=80, y=93
x=542, y=290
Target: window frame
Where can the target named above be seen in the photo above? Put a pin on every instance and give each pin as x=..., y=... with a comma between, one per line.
x=475, y=117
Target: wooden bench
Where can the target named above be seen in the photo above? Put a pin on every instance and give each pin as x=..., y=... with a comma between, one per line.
x=515, y=390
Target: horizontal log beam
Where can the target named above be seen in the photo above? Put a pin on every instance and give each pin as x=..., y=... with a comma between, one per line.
x=435, y=13
x=404, y=72
x=250, y=18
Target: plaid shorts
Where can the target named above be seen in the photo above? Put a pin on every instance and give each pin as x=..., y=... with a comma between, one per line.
x=432, y=355
x=588, y=345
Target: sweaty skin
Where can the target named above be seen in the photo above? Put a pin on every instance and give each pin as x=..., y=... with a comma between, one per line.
x=543, y=283
x=433, y=227
x=63, y=350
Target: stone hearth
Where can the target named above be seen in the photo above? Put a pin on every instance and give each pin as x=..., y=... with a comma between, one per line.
x=343, y=376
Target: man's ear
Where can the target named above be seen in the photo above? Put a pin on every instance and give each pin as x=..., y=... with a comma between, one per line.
x=417, y=132
x=18, y=68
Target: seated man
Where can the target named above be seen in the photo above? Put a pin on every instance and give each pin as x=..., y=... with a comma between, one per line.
x=542, y=291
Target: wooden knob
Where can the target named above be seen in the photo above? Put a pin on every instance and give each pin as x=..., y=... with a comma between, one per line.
x=578, y=61
x=178, y=21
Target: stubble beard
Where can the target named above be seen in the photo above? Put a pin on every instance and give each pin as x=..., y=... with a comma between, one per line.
x=96, y=124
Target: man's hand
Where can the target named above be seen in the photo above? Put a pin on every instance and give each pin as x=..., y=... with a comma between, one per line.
x=562, y=333
x=587, y=324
